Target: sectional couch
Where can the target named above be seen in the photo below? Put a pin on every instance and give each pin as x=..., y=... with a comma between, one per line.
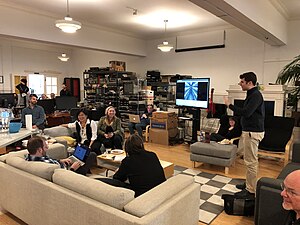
x=41, y=193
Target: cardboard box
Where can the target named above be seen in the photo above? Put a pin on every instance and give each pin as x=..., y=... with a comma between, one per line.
x=117, y=65
x=147, y=93
x=169, y=123
x=159, y=136
x=163, y=114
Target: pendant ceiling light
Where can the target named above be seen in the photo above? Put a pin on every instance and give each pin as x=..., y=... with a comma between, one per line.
x=68, y=25
x=165, y=46
x=63, y=57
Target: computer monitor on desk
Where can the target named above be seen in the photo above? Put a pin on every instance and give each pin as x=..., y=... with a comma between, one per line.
x=7, y=100
x=65, y=102
x=48, y=105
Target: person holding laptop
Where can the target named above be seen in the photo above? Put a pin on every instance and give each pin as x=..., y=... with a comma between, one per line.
x=37, y=148
x=144, y=121
x=86, y=130
x=110, y=132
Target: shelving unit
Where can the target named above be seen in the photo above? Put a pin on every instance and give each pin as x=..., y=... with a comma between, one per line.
x=164, y=93
x=104, y=87
x=132, y=103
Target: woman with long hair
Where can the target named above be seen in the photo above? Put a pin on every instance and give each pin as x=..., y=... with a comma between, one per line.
x=141, y=167
x=110, y=132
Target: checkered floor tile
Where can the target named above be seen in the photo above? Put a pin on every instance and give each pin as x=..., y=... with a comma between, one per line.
x=212, y=188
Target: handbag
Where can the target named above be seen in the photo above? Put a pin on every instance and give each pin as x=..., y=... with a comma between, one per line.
x=238, y=206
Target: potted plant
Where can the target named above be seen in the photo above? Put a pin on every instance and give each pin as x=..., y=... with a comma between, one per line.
x=290, y=74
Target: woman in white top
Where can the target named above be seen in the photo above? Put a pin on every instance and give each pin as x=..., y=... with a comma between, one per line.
x=86, y=129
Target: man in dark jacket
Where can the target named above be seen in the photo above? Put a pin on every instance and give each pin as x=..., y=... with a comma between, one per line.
x=252, y=122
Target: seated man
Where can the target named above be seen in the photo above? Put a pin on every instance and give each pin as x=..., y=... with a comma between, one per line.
x=145, y=120
x=291, y=197
x=37, y=148
x=37, y=112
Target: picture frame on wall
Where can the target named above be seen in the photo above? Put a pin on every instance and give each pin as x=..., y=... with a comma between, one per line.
x=1, y=79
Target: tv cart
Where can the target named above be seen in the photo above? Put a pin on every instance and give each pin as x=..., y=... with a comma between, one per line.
x=195, y=112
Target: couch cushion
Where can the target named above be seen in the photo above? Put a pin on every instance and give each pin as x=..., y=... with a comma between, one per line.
x=21, y=153
x=58, y=131
x=40, y=169
x=70, y=141
x=152, y=199
x=214, y=149
x=97, y=190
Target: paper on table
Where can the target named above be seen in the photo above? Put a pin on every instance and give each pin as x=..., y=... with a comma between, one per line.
x=28, y=121
x=119, y=158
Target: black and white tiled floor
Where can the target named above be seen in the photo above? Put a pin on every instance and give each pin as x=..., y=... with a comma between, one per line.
x=212, y=188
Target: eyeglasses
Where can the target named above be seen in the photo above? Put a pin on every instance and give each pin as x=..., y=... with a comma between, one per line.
x=289, y=191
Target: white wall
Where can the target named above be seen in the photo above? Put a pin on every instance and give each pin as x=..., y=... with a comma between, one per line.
x=30, y=25
x=22, y=58
x=242, y=53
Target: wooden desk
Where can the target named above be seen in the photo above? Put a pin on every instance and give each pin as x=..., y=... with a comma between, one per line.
x=7, y=138
x=57, y=119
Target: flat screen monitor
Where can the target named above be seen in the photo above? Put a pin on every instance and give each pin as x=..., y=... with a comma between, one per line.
x=65, y=102
x=48, y=105
x=7, y=100
x=193, y=92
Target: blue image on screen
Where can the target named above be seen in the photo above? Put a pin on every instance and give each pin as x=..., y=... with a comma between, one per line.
x=191, y=91
x=79, y=152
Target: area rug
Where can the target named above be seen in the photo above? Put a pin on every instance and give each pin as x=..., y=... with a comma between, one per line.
x=212, y=188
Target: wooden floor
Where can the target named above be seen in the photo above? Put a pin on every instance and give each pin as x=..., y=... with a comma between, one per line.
x=180, y=155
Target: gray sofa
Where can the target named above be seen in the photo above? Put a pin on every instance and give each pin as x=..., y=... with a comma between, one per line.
x=268, y=205
x=57, y=132
x=41, y=193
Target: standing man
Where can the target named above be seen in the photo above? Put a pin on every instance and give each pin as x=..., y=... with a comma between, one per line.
x=64, y=91
x=252, y=122
x=37, y=112
x=291, y=197
x=23, y=89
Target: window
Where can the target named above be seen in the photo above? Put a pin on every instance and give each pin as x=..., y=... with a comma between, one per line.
x=51, y=85
x=38, y=83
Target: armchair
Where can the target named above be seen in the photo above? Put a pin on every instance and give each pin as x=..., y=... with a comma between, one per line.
x=278, y=137
x=268, y=208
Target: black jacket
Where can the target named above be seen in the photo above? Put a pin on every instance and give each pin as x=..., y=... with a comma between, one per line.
x=253, y=112
x=143, y=171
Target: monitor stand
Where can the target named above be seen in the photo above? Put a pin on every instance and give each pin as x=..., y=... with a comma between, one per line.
x=196, y=112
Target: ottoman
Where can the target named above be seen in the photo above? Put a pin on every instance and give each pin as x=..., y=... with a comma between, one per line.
x=213, y=153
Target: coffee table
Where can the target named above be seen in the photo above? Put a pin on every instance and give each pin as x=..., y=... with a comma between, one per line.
x=112, y=162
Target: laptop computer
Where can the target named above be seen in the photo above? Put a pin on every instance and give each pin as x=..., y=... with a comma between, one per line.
x=80, y=155
x=134, y=118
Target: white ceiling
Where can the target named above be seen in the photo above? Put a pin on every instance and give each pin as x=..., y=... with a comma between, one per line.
x=116, y=15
